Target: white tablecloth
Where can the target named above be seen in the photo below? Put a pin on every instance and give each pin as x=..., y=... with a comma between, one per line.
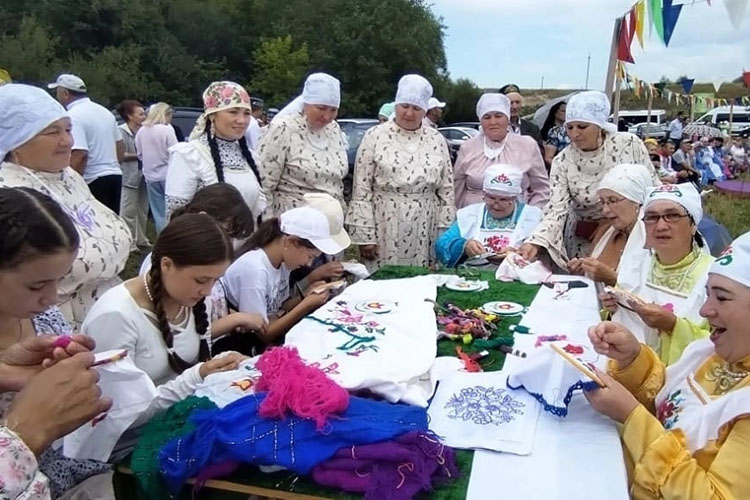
x=574, y=458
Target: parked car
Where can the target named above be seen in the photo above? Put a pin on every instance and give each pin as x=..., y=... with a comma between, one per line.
x=455, y=137
x=718, y=116
x=183, y=118
x=474, y=125
x=645, y=130
x=354, y=129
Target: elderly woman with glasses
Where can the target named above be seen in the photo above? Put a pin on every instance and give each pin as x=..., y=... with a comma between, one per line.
x=668, y=286
x=621, y=194
x=496, y=226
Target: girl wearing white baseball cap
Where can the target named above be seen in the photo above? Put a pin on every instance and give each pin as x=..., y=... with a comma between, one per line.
x=258, y=281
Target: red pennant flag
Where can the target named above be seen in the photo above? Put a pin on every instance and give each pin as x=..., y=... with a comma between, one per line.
x=623, y=44
x=633, y=22
x=746, y=77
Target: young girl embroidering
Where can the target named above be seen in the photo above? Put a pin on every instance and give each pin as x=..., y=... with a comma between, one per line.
x=258, y=281
x=162, y=318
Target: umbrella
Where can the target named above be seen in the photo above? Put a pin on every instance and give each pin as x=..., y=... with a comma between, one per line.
x=540, y=115
x=701, y=130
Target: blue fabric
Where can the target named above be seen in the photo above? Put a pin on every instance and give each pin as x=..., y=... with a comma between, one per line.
x=156, y=197
x=449, y=247
x=238, y=433
x=717, y=237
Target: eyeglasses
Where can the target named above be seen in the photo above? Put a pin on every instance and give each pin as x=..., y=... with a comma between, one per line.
x=498, y=201
x=612, y=201
x=669, y=218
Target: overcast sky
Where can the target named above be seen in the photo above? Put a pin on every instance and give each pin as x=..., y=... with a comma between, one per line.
x=493, y=42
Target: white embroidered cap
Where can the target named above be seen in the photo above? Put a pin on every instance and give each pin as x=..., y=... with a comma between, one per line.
x=503, y=180
x=629, y=180
x=590, y=107
x=24, y=112
x=322, y=89
x=488, y=103
x=331, y=208
x=684, y=195
x=734, y=262
x=415, y=90
x=312, y=225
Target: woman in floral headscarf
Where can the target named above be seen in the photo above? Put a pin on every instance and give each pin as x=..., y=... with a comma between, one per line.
x=217, y=151
x=572, y=215
x=35, y=144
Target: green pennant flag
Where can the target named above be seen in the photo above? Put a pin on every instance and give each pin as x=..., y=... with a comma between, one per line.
x=656, y=18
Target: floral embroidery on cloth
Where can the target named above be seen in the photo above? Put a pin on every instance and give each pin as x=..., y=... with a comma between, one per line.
x=496, y=243
x=362, y=332
x=484, y=405
x=669, y=411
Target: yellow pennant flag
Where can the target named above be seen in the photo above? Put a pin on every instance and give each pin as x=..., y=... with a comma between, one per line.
x=4, y=77
x=640, y=16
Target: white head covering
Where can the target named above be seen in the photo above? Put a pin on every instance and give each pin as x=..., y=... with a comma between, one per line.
x=320, y=89
x=493, y=102
x=220, y=96
x=503, y=180
x=415, y=90
x=331, y=208
x=734, y=262
x=312, y=225
x=590, y=107
x=629, y=180
x=24, y=112
x=684, y=195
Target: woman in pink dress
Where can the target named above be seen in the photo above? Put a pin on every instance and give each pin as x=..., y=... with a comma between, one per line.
x=495, y=145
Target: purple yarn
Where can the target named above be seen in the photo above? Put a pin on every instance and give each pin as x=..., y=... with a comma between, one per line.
x=389, y=470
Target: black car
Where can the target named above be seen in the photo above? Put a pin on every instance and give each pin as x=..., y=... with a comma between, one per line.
x=354, y=129
x=183, y=119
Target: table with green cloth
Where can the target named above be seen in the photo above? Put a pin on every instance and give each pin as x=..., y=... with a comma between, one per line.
x=286, y=485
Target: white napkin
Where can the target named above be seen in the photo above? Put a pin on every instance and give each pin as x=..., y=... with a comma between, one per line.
x=516, y=268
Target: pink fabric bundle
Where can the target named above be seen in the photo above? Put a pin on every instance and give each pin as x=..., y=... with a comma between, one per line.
x=292, y=385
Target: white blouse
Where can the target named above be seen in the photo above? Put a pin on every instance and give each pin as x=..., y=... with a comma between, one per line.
x=191, y=168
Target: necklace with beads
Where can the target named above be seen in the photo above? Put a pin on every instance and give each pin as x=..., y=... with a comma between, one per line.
x=179, y=317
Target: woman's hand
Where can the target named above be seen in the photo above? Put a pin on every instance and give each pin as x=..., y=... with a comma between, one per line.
x=368, y=252
x=315, y=299
x=655, y=316
x=57, y=401
x=615, y=341
x=609, y=302
x=332, y=270
x=473, y=248
x=529, y=251
x=575, y=266
x=598, y=271
x=249, y=321
x=500, y=256
x=614, y=401
x=225, y=363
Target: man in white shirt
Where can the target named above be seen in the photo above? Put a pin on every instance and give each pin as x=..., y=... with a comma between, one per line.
x=675, y=128
x=434, y=113
x=97, y=144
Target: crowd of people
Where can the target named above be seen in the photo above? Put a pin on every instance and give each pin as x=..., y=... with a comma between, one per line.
x=252, y=224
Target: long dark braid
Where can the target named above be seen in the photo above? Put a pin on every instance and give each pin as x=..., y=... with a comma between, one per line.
x=249, y=157
x=188, y=240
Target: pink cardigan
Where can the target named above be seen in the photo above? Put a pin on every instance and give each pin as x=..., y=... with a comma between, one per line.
x=520, y=151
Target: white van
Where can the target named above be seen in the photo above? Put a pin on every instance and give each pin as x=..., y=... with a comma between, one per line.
x=740, y=118
x=635, y=117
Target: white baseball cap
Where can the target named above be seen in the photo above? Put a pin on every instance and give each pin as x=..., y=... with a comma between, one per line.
x=70, y=82
x=434, y=103
x=312, y=225
x=331, y=208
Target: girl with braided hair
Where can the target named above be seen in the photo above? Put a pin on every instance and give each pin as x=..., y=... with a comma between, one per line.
x=162, y=319
x=216, y=152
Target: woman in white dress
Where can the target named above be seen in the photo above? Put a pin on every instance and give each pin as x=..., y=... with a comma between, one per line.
x=304, y=151
x=403, y=184
x=217, y=151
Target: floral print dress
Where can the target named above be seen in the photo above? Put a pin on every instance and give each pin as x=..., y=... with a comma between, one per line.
x=104, y=237
x=403, y=194
x=297, y=160
x=574, y=177
x=20, y=478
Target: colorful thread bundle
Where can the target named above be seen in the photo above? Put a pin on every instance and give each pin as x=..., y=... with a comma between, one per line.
x=293, y=386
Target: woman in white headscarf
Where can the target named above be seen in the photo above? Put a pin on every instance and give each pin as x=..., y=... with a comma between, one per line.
x=216, y=152
x=303, y=150
x=572, y=215
x=497, y=225
x=495, y=145
x=670, y=280
x=35, y=145
x=403, y=184
x=621, y=194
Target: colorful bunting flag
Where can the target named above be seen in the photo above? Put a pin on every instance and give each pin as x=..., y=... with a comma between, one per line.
x=718, y=82
x=640, y=9
x=631, y=24
x=623, y=43
x=656, y=18
x=670, y=14
x=736, y=10
x=746, y=78
x=687, y=84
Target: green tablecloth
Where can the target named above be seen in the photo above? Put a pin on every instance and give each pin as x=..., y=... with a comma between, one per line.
x=455, y=490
